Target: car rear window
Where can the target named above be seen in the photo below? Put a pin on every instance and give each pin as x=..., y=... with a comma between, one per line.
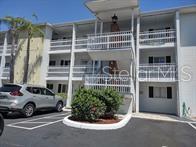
x=10, y=88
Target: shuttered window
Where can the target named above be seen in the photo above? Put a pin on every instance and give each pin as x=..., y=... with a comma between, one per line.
x=160, y=92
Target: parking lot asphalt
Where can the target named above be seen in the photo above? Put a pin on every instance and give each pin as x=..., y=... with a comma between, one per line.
x=37, y=132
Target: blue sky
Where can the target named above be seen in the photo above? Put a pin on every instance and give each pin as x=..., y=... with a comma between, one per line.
x=56, y=11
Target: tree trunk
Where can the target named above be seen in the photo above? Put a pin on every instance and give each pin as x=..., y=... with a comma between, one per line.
x=12, y=58
x=26, y=66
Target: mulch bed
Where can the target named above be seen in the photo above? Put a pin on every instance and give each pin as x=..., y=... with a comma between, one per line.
x=100, y=121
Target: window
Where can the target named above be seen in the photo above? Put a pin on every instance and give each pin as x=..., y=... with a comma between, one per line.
x=65, y=63
x=159, y=59
x=62, y=88
x=166, y=59
x=45, y=91
x=150, y=60
x=169, y=92
x=150, y=31
x=10, y=88
x=59, y=88
x=7, y=64
x=52, y=63
x=34, y=90
x=29, y=89
x=160, y=92
x=151, y=93
x=167, y=29
x=50, y=86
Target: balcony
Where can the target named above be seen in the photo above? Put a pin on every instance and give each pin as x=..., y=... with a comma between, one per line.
x=58, y=73
x=81, y=44
x=157, y=39
x=110, y=45
x=80, y=71
x=110, y=41
x=157, y=72
x=60, y=46
x=62, y=73
x=118, y=83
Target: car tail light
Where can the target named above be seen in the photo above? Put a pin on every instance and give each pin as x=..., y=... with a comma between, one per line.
x=16, y=93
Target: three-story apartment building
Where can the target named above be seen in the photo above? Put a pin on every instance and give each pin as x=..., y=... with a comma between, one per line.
x=149, y=56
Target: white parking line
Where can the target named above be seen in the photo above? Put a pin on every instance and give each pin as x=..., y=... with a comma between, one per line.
x=39, y=118
x=28, y=122
x=191, y=124
x=46, y=124
x=40, y=123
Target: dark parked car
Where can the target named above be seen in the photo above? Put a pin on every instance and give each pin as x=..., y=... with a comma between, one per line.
x=1, y=124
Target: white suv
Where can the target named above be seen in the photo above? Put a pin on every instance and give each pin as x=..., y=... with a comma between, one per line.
x=27, y=99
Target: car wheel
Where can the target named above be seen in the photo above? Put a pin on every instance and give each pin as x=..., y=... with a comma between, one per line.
x=1, y=124
x=59, y=106
x=28, y=110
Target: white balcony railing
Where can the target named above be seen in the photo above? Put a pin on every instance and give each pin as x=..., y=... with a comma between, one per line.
x=78, y=71
x=81, y=71
x=109, y=41
x=6, y=72
x=157, y=72
x=58, y=71
x=118, y=83
x=9, y=48
x=156, y=38
x=59, y=45
x=81, y=43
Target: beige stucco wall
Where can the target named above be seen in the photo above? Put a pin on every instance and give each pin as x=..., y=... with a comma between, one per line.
x=36, y=51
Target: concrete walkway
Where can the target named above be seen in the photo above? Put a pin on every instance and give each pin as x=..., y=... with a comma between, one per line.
x=161, y=117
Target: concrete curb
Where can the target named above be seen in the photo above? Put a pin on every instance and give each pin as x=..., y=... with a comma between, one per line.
x=80, y=125
x=66, y=109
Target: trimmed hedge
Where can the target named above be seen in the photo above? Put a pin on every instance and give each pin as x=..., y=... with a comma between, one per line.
x=63, y=95
x=112, y=100
x=90, y=105
x=86, y=107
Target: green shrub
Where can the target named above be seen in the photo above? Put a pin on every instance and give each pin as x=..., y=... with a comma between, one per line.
x=112, y=99
x=63, y=95
x=86, y=107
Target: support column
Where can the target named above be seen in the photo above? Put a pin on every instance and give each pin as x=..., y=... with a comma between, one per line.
x=70, y=85
x=96, y=23
x=2, y=66
x=132, y=21
x=101, y=32
x=101, y=28
x=178, y=55
x=137, y=64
